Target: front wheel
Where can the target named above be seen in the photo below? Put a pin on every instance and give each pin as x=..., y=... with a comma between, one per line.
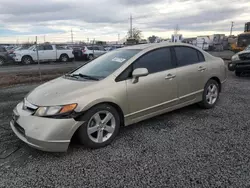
x=27, y=60
x=210, y=94
x=237, y=73
x=100, y=127
x=91, y=57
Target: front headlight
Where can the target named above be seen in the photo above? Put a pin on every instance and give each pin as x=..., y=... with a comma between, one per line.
x=235, y=57
x=55, y=110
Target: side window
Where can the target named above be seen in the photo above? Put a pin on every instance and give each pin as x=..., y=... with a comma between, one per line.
x=127, y=73
x=201, y=56
x=96, y=48
x=90, y=48
x=40, y=48
x=186, y=56
x=48, y=47
x=155, y=61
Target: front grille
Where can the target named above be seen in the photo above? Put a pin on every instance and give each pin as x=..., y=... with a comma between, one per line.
x=19, y=129
x=245, y=56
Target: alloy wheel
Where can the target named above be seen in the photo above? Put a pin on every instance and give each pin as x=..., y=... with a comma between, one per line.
x=212, y=94
x=1, y=61
x=64, y=58
x=91, y=57
x=101, y=126
x=27, y=60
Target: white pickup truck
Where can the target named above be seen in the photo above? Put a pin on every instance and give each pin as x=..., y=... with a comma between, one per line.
x=46, y=52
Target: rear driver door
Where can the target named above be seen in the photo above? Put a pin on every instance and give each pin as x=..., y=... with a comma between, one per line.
x=190, y=73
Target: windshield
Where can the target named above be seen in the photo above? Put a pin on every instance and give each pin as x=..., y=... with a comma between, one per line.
x=32, y=47
x=243, y=40
x=248, y=47
x=106, y=64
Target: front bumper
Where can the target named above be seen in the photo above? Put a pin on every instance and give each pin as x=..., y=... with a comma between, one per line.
x=17, y=58
x=239, y=66
x=45, y=134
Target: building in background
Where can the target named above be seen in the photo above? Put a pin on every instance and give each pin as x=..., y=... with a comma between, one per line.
x=176, y=38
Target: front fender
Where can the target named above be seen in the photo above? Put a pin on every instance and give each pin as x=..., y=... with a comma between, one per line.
x=86, y=105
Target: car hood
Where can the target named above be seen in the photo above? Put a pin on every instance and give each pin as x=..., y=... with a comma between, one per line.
x=61, y=91
x=23, y=51
x=243, y=52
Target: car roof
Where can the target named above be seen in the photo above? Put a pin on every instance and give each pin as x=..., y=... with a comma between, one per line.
x=155, y=45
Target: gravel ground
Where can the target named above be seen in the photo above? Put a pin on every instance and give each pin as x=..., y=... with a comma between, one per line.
x=189, y=147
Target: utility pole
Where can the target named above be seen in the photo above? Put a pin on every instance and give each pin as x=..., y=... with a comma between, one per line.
x=72, y=40
x=44, y=38
x=176, y=29
x=38, y=61
x=118, y=38
x=231, y=30
x=131, y=26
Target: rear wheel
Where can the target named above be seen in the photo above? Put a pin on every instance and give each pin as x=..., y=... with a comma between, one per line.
x=2, y=61
x=64, y=58
x=210, y=94
x=237, y=73
x=102, y=124
x=27, y=60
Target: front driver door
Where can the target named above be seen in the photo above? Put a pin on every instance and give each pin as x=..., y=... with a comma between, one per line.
x=156, y=91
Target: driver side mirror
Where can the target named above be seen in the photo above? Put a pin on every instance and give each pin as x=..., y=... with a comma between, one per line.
x=137, y=73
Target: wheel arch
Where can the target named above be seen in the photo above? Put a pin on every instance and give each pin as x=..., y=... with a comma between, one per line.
x=26, y=55
x=217, y=80
x=111, y=103
x=116, y=106
x=63, y=54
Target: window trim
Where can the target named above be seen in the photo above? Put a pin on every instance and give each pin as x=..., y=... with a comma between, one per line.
x=177, y=64
x=173, y=62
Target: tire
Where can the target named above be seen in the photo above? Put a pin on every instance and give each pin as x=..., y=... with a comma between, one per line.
x=237, y=73
x=64, y=58
x=210, y=94
x=90, y=57
x=91, y=133
x=2, y=61
x=26, y=60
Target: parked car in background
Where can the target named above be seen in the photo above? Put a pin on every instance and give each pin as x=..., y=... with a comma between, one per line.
x=88, y=52
x=9, y=48
x=46, y=52
x=110, y=48
x=120, y=88
x=4, y=56
x=17, y=49
x=240, y=62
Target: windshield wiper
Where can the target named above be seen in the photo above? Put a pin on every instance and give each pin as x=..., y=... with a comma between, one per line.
x=83, y=76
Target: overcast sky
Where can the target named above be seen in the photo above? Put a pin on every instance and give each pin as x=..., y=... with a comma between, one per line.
x=104, y=19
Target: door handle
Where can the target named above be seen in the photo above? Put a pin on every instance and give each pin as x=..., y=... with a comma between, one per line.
x=201, y=69
x=170, y=77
